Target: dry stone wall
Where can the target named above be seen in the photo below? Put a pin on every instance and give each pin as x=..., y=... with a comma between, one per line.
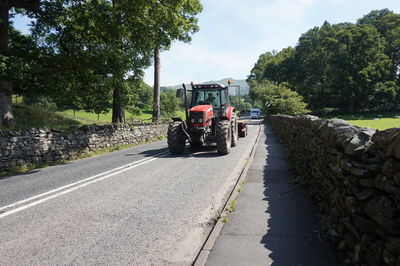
x=354, y=175
x=32, y=146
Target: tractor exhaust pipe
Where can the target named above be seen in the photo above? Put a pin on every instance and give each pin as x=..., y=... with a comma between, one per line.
x=186, y=105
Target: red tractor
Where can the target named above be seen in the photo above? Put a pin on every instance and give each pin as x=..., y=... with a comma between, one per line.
x=209, y=119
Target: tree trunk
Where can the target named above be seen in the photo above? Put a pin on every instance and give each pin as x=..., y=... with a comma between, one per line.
x=6, y=116
x=118, y=112
x=156, y=102
x=118, y=115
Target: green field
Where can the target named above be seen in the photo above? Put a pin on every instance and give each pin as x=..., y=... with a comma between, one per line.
x=379, y=121
x=90, y=118
x=28, y=117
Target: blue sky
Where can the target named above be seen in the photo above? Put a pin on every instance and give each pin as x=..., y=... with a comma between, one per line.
x=233, y=33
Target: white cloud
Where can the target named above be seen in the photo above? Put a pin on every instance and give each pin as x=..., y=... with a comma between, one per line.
x=307, y=2
x=337, y=1
x=200, y=58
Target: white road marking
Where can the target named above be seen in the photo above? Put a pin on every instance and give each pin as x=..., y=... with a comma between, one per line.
x=85, y=182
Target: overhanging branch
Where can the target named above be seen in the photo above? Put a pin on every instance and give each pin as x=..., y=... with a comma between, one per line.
x=30, y=5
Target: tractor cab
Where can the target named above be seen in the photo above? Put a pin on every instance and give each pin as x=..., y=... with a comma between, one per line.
x=211, y=94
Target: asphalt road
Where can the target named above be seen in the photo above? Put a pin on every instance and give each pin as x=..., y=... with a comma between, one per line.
x=139, y=206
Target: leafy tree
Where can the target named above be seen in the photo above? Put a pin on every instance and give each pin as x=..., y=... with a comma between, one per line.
x=313, y=57
x=385, y=96
x=374, y=17
x=241, y=104
x=22, y=60
x=40, y=101
x=82, y=60
x=279, y=98
x=277, y=66
x=143, y=92
x=359, y=64
x=110, y=41
x=169, y=103
x=346, y=66
x=388, y=25
x=258, y=71
x=139, y=96
x=339, y=65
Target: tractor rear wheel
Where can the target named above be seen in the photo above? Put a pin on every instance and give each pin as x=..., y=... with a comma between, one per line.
x=235, y=133
x=176, y=138
x=224, y=137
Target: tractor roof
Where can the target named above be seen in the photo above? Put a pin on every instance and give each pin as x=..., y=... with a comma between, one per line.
x=209, y=86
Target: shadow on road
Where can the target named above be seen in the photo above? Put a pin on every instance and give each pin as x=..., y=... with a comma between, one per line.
x=293, y=234
x=204, y=152
x=34, y=171
x=7, y=176
x=200, y=152
x=148, y=153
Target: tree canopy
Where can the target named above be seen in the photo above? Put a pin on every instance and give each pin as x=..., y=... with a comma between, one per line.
x=91, y=52
x=344, y=67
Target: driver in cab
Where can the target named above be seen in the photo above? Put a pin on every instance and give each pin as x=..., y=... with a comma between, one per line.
x=210, y=99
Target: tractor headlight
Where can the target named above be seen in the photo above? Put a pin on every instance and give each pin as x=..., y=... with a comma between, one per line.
x=192, y=120
x=200, y=120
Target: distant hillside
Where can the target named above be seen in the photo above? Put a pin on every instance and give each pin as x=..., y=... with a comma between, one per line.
x=244, y=87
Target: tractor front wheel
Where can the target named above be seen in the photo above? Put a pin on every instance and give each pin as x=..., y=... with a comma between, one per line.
x=224, y=137
x=176, y=138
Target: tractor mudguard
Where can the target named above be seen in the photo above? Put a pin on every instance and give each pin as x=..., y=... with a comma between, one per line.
x=183, y=124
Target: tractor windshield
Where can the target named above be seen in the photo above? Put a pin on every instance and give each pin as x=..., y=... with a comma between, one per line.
x=211, y=97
